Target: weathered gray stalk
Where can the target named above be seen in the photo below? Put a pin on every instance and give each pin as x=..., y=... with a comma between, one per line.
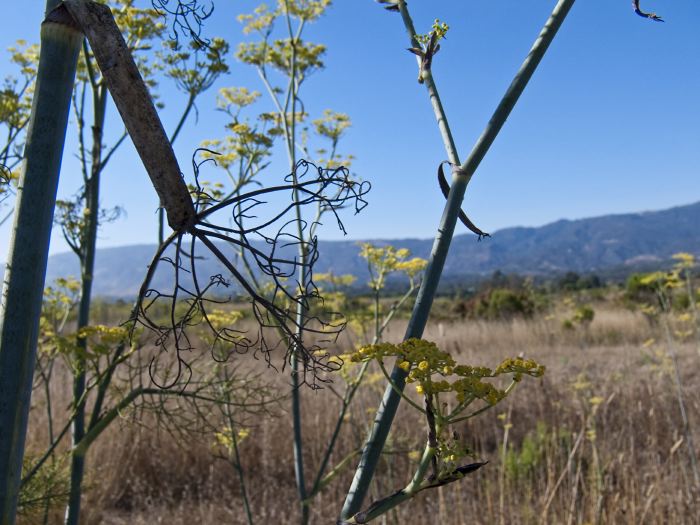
x=135, y=105
x=390, y=402
x=173, y=138
x=26, y=268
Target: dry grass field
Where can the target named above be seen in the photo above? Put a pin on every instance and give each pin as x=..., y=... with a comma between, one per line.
x=599, y=439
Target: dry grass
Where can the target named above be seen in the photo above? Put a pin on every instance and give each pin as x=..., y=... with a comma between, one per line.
x=566, y=459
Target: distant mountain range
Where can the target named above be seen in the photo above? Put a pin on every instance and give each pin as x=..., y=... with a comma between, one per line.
x=611, y=244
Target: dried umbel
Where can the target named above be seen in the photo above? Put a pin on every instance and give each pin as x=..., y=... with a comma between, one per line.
x=265, y=251
x=261, y=256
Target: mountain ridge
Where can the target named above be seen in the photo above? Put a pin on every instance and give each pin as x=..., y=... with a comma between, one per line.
x=588, y=245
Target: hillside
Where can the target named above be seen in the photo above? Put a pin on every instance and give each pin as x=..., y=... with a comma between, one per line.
x=600, y=244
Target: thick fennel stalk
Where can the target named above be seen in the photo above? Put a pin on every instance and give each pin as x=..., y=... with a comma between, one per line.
x=26, y=268
x=462, y=175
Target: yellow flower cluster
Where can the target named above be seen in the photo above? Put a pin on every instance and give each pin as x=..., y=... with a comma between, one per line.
x=336, y=281
x=259, y=21
x=106, y=335
x=436, y=376
x=277, y=54
x=427, y=365
x=102, y=340
x=221, y=319
x=685, y=260
x=332, y=125
x=383, y=260
x=412, y=267
x=662, y=279
x=469, y=388
x=229, y=438
x=426, y=356
x=439, y=28
x=519, y=367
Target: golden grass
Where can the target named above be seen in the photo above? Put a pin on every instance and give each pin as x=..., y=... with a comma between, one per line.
x=566, y=460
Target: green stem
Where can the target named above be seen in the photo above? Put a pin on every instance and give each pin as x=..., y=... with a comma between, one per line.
x=392, y=312
x=48, y=453
x=321, y=483
x=398, y=390
x=81, y=448
x=300, y=310
x=433, y=94
x=106, y=379
x=26, y=268
x=320, y=480
x=110, y=415
x=183, y=118
x=236, y=456
x=390, y=402
x=376, y=312
x=453, y=415
x=386, y=504
x=241, y=477
x=88, y=251
x=161, y=225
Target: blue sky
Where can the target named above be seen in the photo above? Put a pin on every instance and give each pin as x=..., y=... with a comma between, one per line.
x=610, y=122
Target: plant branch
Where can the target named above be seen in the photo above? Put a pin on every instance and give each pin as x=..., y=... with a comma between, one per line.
x=390, y=402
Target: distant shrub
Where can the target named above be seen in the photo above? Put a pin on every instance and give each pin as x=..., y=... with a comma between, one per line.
x=571, y=281
x=503, y=303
